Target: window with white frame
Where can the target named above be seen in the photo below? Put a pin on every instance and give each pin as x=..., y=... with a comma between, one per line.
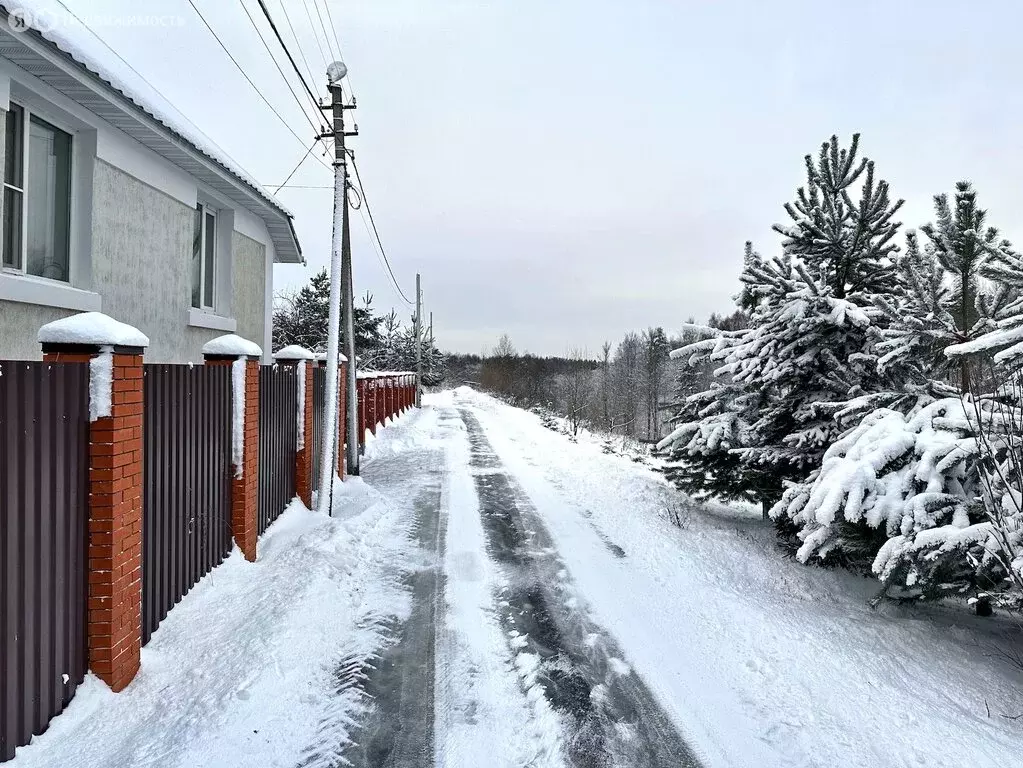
x=36, y=196
x=204, y=258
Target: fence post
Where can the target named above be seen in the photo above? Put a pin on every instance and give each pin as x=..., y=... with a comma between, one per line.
x=243, y=357
x=363, y=411
x=342, y=410
x=373, y=414
x=302, y=359
x=113, y=352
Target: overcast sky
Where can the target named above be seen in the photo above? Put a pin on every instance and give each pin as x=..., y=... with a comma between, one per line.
x=568, y=170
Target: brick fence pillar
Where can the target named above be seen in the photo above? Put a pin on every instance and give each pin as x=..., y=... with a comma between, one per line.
x=342, y=412
x=113, y=352
x=243, y=357
x=302, y=358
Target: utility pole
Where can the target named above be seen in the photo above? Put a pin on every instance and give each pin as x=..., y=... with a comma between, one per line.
x=419, y=343
x=340, y=294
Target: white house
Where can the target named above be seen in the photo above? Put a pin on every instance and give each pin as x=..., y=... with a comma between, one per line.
x=113, y=202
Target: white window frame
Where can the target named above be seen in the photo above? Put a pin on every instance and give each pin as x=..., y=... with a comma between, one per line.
x=27, y=112
x=207, y=210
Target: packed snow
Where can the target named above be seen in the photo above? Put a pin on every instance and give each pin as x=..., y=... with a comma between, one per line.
x=239, y=369
x=293, y=352
x=232, y=345
x=101, y=384
x=92, y=328
x=754, y=659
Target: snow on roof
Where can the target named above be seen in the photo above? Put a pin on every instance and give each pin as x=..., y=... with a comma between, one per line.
x=293, y=352
x=55, y=24
x=93, y=328
x=231, y=345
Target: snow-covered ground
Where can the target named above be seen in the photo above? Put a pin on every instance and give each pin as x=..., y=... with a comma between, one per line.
x=487, y=572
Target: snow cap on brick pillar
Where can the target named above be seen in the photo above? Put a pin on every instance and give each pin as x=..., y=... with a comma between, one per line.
x=302, y=359
x=113, y=351
x=243, y=357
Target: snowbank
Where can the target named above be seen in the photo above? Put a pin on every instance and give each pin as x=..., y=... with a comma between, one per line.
x=231, y=345
x=93, y=328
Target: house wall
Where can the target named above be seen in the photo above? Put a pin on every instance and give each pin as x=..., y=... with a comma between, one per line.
x=132, y=246
x=249, y=288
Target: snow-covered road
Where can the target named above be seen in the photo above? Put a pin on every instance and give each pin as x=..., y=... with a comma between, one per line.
x=494, y=594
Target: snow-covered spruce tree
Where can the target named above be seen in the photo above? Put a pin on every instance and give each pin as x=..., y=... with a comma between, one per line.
x=709, y=430
x=912, y=477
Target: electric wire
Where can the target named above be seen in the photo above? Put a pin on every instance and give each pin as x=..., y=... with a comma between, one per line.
x=295, y=169
x=287, y=52
x=276, y=64
x=250, y=82
x=298, y=43
x=376, y=233
x=138, y=74
x=340, y=51
x=312, y=26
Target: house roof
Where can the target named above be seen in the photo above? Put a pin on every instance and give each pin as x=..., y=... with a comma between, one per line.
x=72, y=60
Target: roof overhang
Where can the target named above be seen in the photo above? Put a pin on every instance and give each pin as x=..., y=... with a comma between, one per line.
x=60, y=70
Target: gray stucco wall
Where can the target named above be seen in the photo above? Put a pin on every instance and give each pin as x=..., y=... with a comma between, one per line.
x=249, y=287
x=141, y=260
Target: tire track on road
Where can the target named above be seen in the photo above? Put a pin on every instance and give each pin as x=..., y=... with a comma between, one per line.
x=614, y=718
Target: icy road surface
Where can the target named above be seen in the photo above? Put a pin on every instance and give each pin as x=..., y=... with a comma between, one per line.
x=492, y=594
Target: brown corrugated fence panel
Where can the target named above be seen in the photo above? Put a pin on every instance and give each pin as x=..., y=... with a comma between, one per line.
x=44, y=434
x=186, y=530
x=319, y=403
x=278, y=435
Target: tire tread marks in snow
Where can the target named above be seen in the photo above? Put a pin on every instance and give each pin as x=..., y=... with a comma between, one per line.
x=614, y=719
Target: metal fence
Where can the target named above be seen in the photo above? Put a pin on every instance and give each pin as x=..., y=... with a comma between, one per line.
x=44, y=422
x=278, y=436
x=187, y=482
x=319, y=404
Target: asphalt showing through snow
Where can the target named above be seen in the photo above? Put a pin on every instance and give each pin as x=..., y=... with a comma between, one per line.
x=612, y=719
x=584, y=675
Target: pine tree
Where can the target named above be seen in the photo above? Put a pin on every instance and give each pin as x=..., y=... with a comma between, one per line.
x=898, y=494
x=711, y=428
x=944, y=302
x=302, y=319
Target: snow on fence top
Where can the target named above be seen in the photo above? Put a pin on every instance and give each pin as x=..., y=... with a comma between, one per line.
x=293, y=352
x=231, y=345
x=382, y=374
x=54, y=23
x=92, y=328
x=322, y=357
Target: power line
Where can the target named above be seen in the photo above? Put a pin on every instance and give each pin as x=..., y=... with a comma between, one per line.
x=295, y=169
x=277, y=34
x=376, y=233
x=323, y=26
x=298, y=43
x=340, y=50
x=274, y=59
x=143, y=79
x=312, y=26
x=249, y=80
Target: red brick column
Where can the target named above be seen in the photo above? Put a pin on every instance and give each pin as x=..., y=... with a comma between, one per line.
x=245, y=480
x=342, y=412
x=114, y=607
